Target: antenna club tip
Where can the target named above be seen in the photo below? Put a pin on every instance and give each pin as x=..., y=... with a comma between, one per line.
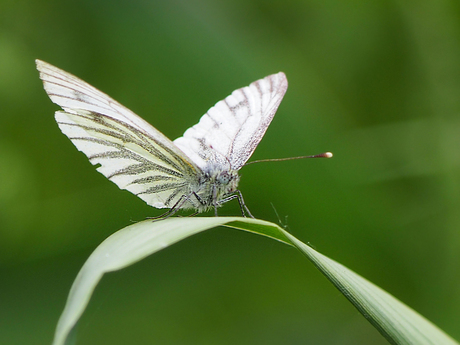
x=328, y=154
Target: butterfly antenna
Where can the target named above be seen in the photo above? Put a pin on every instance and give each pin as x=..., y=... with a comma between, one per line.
x=321, y=155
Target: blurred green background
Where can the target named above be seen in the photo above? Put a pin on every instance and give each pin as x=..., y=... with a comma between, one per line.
x=375, y=82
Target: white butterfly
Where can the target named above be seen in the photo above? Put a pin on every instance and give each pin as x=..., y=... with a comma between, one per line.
x=196, y=171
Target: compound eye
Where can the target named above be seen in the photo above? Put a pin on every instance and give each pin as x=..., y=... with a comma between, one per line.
x=223, y=178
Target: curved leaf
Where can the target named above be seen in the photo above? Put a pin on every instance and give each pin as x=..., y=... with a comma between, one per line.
x=398, y=323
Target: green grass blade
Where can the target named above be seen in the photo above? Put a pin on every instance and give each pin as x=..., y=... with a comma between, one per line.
x=397, y=322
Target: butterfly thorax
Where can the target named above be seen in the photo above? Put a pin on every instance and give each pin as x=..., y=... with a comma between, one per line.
x=214, y=185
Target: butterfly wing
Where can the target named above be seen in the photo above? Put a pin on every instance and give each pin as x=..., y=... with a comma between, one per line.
x=131, y=153
x=231, y=130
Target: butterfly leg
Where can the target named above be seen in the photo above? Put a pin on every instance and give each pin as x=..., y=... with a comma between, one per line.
x=242, y=204
x=203, y=203
x=168, y=213
x=176, y=207
x=240, y=199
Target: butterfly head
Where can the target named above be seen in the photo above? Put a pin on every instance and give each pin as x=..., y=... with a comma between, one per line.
x=228, y=181
x=222, y=178
x=217, y=182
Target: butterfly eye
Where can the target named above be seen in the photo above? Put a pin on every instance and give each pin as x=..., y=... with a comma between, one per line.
x=223, y=178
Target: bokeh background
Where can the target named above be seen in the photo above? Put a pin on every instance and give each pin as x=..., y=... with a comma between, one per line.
x=375, y=82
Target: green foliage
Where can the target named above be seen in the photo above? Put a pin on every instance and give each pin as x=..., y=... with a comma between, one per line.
x=397, y=322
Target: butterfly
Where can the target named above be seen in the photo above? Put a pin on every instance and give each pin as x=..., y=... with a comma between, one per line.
x=196, y=171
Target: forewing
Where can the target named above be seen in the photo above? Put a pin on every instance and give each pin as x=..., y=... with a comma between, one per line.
x=231, y=130
x=131, y=153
